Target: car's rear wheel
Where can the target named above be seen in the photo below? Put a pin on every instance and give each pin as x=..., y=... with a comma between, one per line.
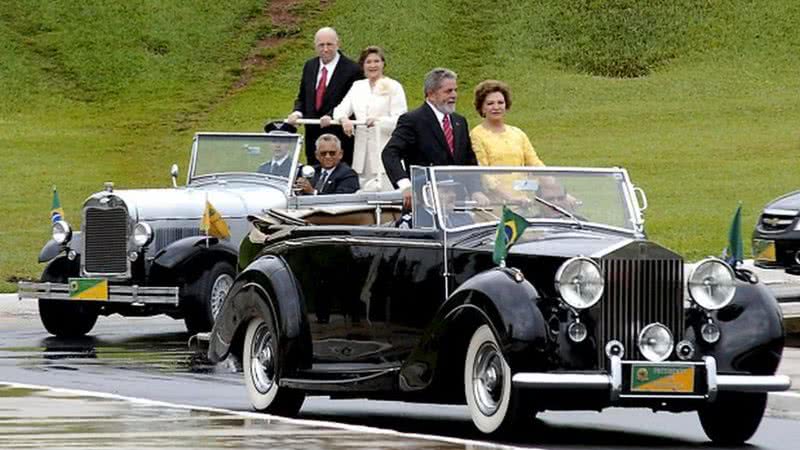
x=205, y=296
x=262, y=368
x=734, y=417
x=493, y=404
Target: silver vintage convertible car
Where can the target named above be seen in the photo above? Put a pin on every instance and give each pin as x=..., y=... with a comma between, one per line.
x=587, y=313
x=141, y=251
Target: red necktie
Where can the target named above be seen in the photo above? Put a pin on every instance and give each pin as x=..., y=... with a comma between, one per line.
x=448, y=134
x=321, y=88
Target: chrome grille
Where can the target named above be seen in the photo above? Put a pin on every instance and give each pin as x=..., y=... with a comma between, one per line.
x=639, y=292
x=772, y=223
x=105, y=240
x=166, y=236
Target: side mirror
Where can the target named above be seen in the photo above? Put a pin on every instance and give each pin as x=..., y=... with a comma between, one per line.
x=173, y=172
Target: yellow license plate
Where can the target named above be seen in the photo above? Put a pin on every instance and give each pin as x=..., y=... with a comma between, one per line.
x=662, y=379
x=88, y=288
x=764, y=250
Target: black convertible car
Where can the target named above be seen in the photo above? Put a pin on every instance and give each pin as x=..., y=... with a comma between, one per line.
x=776, y=238
x=586, y=313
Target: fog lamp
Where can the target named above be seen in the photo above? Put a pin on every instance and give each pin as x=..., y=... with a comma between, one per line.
x=577, y=331
x=685, y=350
x=71, y=255
x=133, y=256
x=615, y=348
x=655, y=342
x=710, y=332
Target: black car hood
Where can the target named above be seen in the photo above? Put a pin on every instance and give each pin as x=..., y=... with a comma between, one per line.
x=562, y=242
x=790, y=201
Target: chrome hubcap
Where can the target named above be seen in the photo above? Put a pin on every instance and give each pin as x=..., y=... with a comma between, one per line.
x=262, y=366
x=487, y=376
x=219, y=290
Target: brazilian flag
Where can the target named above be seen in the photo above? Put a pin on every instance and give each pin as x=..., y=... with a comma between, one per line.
x=56, y=212
x=734, y=252
x=509, y=230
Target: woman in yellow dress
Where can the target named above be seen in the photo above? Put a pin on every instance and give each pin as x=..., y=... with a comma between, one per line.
x=496, y=143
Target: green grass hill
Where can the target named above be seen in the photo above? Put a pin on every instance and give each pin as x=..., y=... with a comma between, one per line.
x=699, y=100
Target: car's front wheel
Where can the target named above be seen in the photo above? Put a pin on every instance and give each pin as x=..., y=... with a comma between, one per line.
x=734, y=417
x=67, y=319
x=493, y=404
x=262, y=368
x=205, y=296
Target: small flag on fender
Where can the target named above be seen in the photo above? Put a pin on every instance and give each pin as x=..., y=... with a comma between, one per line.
x=56, y=212
x=213, y=224
x=509, y=229
x=734, y=252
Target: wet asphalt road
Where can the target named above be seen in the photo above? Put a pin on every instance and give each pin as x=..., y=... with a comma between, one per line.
x=148, y=358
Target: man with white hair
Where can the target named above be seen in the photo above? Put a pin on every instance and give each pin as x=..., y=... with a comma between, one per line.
x=325, y=81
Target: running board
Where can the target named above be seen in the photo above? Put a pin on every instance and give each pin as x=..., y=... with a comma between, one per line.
x=380, y=381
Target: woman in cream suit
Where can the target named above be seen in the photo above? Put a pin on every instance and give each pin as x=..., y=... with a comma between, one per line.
x=379, y=101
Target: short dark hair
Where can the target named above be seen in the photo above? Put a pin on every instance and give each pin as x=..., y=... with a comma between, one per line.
x=372, y=49
x=484, y=88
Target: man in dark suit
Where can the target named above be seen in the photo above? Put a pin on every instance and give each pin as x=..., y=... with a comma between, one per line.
x=431, y=135
x=331, y=175
x=326, y=80
x=281, y=163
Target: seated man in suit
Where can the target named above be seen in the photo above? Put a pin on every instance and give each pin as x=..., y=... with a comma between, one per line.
x=331, y=176
x=281, y=163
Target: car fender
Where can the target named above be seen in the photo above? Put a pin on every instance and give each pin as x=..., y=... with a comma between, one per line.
x=751, y=332
x=498, y=297
x=188, y=249
x=508, y=301
x=51, y=248
x=267, y=277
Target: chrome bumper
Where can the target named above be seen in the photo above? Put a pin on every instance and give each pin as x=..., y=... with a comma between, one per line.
x=134, y=295
x=613, y=382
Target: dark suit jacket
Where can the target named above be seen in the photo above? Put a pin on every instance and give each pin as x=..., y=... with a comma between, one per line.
x=282, y=169
x=346, y=72
x=419, y=140
x=343, y=180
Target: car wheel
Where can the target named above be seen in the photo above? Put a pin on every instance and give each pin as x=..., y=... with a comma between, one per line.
x=206, y=295
x=64, y=318
x=262, y=367
x=733, y=418
x=494, y=406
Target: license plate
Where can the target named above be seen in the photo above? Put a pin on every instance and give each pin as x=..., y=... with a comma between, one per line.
x=88, y=288
x=764, y=250
x=663, y=379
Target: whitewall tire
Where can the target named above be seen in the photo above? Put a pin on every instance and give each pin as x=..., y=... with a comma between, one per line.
x=487, y=385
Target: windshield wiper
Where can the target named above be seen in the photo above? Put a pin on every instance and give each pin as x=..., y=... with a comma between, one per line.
x=559, y=209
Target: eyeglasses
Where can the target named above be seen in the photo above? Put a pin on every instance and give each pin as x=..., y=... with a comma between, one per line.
x=330, y=153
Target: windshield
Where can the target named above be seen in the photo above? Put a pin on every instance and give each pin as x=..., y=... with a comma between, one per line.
x=467, y=196
x=269, y=154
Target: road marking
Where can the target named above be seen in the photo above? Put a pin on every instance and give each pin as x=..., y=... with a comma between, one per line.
x=268, y=417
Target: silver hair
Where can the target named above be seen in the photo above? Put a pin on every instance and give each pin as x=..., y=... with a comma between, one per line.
x=326, y=30
x=434, y=78
x=327, y=137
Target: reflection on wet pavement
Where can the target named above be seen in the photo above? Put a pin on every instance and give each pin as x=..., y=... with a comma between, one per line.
x=31, y=418
x=165, y=352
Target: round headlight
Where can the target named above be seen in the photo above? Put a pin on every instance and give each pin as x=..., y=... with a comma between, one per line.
x=142, y=234
x=711, y=284
x=62, y=232
x=655, y=342
x=580, y=282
